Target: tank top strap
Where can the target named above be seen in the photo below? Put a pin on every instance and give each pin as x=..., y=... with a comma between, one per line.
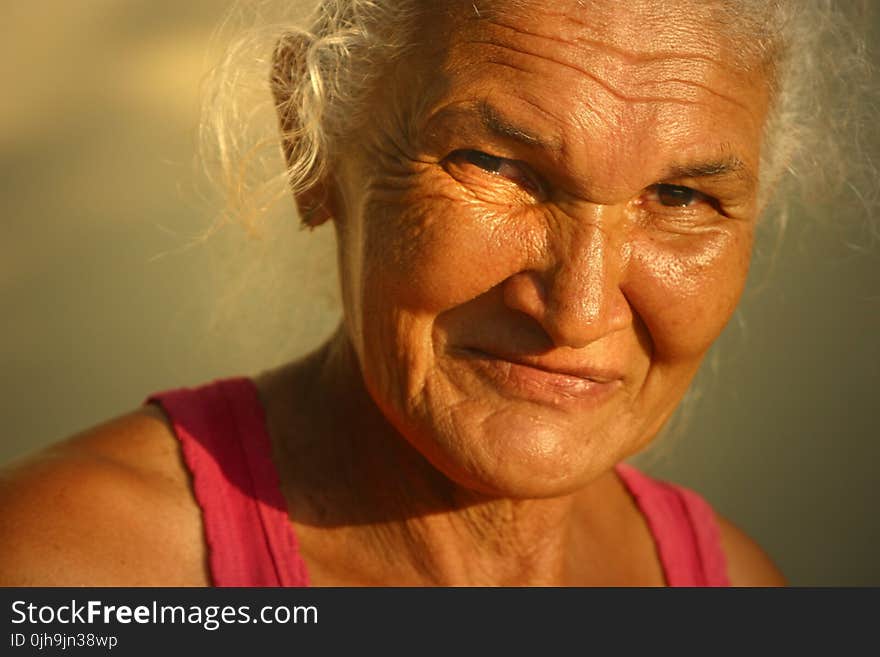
x=250, y=541
x=684, y=527
x=226, y=448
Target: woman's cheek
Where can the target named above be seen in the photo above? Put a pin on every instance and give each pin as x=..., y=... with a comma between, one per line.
x=685, y=288
x=432, y=253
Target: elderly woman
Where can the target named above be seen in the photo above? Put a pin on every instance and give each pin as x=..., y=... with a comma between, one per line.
x=544, y=215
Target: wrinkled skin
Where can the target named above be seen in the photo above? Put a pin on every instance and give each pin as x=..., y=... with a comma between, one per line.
x=543, y=225
x=563, y=255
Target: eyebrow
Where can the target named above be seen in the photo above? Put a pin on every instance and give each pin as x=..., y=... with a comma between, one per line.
x=729, y=166
x=494, y=122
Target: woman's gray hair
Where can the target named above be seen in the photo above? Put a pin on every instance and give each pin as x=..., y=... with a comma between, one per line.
x=324, y=57
x=311, y=68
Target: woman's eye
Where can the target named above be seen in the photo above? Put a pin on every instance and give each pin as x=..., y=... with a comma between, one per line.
x=484, y=161
x=679, y=205
x=512, y=170
x=677, y=196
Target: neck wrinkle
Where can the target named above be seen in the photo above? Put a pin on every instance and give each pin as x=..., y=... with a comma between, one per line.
x=394, y=507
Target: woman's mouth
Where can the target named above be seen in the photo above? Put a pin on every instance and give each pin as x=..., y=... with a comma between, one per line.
x=542, y=379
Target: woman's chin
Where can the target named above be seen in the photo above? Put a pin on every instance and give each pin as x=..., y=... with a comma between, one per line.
x=519, y=457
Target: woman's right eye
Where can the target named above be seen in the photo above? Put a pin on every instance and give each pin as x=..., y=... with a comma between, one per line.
x=512, y=170
x=484, y=161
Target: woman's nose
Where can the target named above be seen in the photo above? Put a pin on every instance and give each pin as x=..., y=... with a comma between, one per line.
x=576, y=294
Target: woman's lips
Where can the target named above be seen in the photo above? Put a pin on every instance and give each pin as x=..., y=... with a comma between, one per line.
x=542, y=380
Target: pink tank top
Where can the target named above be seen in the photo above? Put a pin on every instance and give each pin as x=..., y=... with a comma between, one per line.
x=251, y=542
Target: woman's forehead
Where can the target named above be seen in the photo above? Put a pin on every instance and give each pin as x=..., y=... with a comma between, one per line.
x=634, y=28
x=640, y=50
x=612, y=82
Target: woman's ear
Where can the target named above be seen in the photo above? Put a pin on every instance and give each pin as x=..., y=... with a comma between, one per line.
x=315, y=203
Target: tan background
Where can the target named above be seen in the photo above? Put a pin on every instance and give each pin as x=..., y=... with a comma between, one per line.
x=104, y=302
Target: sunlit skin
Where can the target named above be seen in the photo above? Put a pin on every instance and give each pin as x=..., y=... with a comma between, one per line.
x=537, y=247
x=543, y=224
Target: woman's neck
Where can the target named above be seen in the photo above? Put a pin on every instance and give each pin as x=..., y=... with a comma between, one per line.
x=392, y=515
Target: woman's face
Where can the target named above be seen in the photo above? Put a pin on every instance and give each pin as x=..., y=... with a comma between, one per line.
x=545, y=225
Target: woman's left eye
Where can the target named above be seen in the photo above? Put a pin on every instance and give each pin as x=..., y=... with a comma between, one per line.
x=676, y=196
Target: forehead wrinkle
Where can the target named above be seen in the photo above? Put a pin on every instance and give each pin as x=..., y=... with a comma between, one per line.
x=625, y=55
x=601, y=82
x=661, y=29
x=693, y=83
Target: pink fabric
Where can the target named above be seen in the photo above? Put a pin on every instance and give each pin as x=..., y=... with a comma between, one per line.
x=225, y=444
x=684, y=528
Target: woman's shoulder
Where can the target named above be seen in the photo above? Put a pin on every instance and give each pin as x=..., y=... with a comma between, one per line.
x=110, y=506
x=747, y=563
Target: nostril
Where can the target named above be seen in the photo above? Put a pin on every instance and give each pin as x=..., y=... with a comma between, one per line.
x=526, y=293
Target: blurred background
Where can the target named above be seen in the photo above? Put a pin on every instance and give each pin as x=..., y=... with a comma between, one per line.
x=110, y=289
